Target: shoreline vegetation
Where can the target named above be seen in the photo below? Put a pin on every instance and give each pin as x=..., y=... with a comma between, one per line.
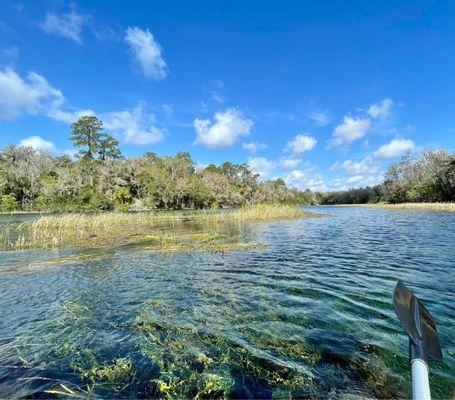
x=157, y=230
x=100, y=178
x=447, y=207
x=426, y=179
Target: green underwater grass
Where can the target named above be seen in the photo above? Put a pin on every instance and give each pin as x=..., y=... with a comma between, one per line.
x=171, y=359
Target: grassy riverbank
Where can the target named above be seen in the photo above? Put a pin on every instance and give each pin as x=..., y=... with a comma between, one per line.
x=418, y=206
x=155, y=228
x=450, y=207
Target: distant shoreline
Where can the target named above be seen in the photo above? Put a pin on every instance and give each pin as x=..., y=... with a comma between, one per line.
x=449, y=207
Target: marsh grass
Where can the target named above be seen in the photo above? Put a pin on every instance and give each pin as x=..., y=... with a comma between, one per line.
x=417, y=206
x=92, y=230
x=449, y=207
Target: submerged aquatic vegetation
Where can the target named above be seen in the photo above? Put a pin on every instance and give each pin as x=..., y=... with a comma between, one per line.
x=195, y=363
x=116, y=373
x=93, y=230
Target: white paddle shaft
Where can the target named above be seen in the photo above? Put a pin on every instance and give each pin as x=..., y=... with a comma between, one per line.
x=420, y=383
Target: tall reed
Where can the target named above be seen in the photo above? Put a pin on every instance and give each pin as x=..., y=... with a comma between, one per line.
x=109, y=227
x=417, y=206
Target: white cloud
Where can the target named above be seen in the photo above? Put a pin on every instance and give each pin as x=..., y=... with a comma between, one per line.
x=68, y=116
x=253, y=147
x=368, y=171
x=350, y=130
x=355, y=181
x=225, y=131
x=133, y=125
x=355, y=128
x=352, y=168
x=32, y=95
x=67, y=25
x=38, y=143
x=394, y=149
x=291, y=162
x=300, y=144
x=35, y=96
x=381, y=109
x=147, y=52
x=302, y=180
x=261, y=166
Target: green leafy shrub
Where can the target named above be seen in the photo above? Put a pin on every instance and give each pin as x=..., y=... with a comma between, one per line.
x=8, y=203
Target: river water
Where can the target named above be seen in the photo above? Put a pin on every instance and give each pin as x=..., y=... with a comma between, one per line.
x=309, y=316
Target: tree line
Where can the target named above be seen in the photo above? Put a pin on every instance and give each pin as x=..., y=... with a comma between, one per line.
x=429, y=177
x=101, y=178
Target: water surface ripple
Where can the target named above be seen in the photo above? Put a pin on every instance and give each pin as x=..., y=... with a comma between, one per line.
x=313, y=307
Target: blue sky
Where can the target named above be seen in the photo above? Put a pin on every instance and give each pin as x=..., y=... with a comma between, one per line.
x=323, y=94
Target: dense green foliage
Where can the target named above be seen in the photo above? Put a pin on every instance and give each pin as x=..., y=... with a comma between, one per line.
x=30, y=180
x=101, y=179
x=429, y=177
x=354, y=196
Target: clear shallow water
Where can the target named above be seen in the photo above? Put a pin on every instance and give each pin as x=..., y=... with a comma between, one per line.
x=309, y=316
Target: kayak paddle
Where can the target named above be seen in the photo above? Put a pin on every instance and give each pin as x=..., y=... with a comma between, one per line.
x=423, y=338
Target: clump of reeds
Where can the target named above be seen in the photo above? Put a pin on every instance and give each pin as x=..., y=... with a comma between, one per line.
x=117, y=227
x=417, y=206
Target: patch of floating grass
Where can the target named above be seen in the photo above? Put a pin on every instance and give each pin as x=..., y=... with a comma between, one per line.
x=92, y=230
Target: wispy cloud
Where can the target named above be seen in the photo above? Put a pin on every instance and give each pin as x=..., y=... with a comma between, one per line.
x=319, y=118
x=146, y=52
x=69, y=26
x=253, y=147
x=290, y=162
x=217, y=91
x=8, y=55
x=381, y=109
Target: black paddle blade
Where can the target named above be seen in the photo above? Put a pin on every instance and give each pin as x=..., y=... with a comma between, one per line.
x=423, y=335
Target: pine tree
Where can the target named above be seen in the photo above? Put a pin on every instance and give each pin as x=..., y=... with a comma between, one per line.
x=86, y=134
x=108, y=147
